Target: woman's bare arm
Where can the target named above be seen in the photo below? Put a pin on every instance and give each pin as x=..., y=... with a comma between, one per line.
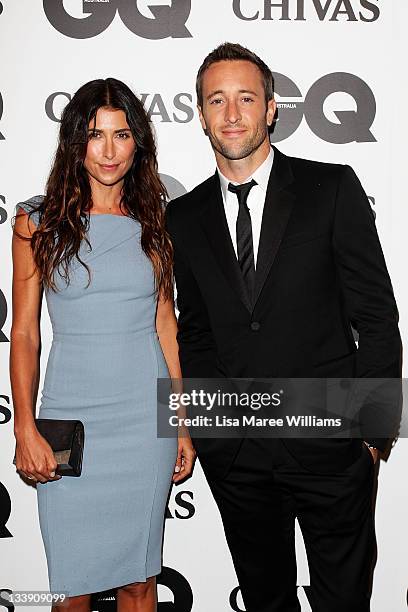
x=25, y=331
x=34, y=456
x=166, y=325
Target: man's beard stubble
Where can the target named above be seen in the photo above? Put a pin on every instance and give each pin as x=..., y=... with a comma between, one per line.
x=251, y=144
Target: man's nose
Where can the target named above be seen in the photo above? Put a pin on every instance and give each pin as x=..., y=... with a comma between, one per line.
x=232, y=112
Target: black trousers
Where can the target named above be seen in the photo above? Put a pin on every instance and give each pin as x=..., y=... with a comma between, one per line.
x=259, y=499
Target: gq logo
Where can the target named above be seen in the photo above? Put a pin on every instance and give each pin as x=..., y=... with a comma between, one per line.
x=167, y=21
x=5, y=600
x=181, y=593
x=345, y=126
x=5, y=511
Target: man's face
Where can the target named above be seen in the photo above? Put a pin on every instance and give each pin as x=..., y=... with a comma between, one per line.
x=234, y=112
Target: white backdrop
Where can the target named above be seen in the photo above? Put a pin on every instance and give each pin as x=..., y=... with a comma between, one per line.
x=56, y=46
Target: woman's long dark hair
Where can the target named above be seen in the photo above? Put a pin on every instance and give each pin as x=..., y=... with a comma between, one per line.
x=64, y=212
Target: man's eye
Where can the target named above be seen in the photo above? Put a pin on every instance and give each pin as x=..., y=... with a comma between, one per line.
x=247, y=99
x=216, y=101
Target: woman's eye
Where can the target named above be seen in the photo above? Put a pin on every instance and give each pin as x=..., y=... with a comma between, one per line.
x=93, y=135
x=123, y=135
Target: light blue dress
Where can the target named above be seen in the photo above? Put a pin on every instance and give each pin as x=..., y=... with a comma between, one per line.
x=104, y=529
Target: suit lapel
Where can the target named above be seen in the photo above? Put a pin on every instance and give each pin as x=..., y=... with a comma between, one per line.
x=214, y=223
x=277, y=208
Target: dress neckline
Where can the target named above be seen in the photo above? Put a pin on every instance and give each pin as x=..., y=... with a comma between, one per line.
x=109, y=215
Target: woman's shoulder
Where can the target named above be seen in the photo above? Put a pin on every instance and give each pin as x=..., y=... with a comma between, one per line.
x=32, y=206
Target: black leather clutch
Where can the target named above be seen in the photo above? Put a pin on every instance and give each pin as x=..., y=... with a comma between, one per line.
x=66, y=438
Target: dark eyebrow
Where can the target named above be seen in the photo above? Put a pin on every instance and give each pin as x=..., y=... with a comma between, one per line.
x=213, y=93
x=115, y=132
x=221, y=91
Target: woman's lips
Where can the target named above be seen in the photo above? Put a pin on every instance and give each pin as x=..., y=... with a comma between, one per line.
x=109, y=167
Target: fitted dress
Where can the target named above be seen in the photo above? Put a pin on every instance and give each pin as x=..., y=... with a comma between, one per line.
x=104, y=528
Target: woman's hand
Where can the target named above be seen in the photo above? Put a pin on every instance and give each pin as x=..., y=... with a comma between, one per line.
x=34, y=457
x=375, y=453
x=185, y=457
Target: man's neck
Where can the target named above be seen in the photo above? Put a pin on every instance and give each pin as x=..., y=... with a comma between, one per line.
x=237, y=170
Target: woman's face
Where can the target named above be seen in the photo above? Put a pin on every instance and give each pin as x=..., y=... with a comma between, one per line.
x=111, y=147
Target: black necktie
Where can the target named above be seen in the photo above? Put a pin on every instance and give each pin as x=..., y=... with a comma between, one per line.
x=245, y=247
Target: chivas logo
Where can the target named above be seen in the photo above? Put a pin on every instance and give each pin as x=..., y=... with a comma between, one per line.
x=302, y=10
x=178, y=109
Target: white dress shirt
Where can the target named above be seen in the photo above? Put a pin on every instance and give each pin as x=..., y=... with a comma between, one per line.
x=255, y=202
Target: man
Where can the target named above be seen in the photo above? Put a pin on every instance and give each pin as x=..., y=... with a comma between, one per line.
x=275, y=258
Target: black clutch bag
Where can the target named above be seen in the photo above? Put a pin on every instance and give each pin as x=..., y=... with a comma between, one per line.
x=66, y=439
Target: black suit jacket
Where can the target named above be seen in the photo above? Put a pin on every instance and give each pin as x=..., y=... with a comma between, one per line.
x=320, y=270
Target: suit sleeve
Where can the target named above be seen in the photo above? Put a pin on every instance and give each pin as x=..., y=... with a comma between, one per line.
x=197, y=350
x=366, y=287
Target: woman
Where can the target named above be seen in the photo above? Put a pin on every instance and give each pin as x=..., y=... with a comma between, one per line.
x=96, y=243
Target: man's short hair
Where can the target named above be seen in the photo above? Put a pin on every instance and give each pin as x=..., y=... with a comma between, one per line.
x=234, y=51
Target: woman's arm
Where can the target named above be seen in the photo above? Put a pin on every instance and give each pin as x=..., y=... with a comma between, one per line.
x=34, y=455
x=166, y=326
x=25, y=329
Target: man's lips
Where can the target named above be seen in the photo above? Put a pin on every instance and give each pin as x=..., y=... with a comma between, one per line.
x=233, y=133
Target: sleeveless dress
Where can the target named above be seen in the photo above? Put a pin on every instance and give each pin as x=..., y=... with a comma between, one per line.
x=104, y=528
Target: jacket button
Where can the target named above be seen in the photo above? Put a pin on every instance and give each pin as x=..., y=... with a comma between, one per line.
x=255, y=325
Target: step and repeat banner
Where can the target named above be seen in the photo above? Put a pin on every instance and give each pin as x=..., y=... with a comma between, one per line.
x=340, y=79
